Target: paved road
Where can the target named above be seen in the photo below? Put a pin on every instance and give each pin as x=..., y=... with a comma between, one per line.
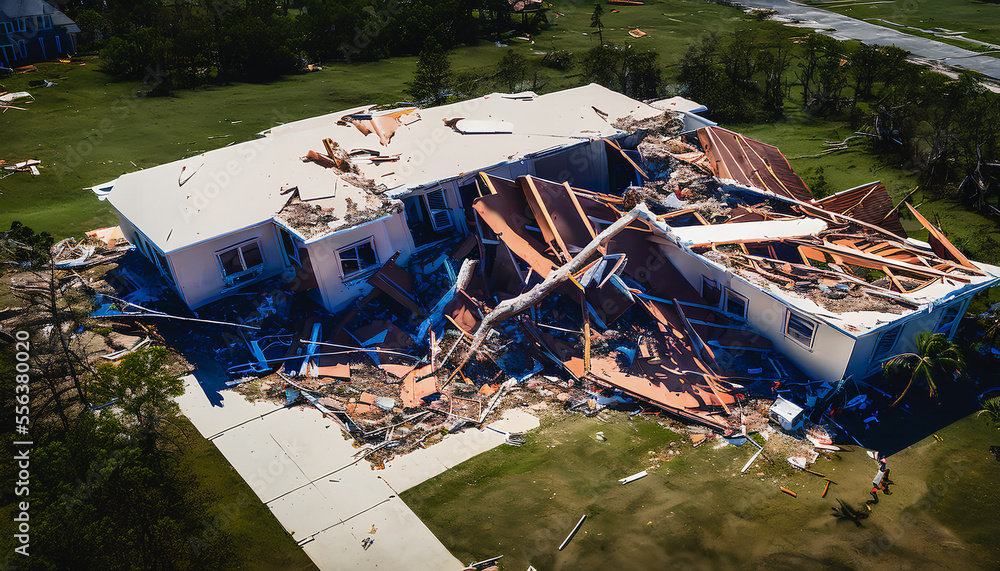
x=847, y=28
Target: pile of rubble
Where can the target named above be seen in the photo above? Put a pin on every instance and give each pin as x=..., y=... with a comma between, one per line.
x=565, y=298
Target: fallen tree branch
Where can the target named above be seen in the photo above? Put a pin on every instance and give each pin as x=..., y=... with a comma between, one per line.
x=513, y=306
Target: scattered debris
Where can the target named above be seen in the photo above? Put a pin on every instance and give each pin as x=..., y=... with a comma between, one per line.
x=633, y=477
x=572, y=533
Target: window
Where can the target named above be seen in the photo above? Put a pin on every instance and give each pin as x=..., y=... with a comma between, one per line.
x=800, y=329
x=161, y=261
x=240, y=259
x=289, y=246
x=886, y=342
x=736, y=303
x=437, y=204
x=948, y=319
x=357, y=257
x=710, y=291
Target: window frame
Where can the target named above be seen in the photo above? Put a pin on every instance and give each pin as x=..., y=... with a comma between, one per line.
x=361, y=270
x=291, y=258
x=957, y=306
x=231, y=279
x=706, y=281
x=746, y=302
x=438, y=193
x=877, y=358
x=789, y=314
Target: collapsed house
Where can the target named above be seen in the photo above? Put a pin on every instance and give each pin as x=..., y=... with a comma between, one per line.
x=605, y=237
x=327, y=200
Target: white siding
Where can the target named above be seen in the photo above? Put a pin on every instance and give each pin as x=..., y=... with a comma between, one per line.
x=831, y=349
x=389, y=235
x=197, y=272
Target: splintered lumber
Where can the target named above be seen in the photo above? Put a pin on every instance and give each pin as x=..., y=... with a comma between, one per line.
x=572, y=533
x=633, y=477
x=789, y=492
x=465, y=274
x=513, y=306
x=754, y=457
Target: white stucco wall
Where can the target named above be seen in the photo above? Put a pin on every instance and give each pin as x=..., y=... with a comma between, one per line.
x=389, y=235
x=831, y=349
x=196, y=268
x=861, y=364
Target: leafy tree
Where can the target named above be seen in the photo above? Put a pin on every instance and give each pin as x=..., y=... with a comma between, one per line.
x=625, y=69
x=936, y=358
x=511, y=70
x=595, y=22
x=102, y=499
x=21, y=246
x=143, y=387
x=739, y=76
x=433, y=75
x=131, y=54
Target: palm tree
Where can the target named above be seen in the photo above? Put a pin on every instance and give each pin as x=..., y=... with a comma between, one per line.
x=936, y=358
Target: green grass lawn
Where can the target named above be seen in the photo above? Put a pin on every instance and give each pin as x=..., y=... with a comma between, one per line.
x=980, y=20
x=698, y=512
x=90, y=129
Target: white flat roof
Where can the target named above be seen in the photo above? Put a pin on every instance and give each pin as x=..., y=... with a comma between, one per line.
x=748, y=231
x=198, y=198
x=678, y=103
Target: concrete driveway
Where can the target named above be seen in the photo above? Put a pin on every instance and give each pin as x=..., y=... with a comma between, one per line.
x=304, y=469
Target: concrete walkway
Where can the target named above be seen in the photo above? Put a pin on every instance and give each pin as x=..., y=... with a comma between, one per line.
x=303, y=468
x=847, y=28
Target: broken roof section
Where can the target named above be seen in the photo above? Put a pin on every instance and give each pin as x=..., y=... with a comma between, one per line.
x=751, y=163
x=869, y=203
x=370, y=157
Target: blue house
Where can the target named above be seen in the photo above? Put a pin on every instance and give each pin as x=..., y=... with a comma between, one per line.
x=32, y=31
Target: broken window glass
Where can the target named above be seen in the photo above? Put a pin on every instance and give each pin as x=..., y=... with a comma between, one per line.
x=736, y=303
x=800, y=329
x=710, y=291
x=289, y=244
x=251, y=255
x=358, y=257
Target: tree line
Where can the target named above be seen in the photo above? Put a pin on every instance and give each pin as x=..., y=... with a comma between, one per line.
x=103, y=482
x=201, y=41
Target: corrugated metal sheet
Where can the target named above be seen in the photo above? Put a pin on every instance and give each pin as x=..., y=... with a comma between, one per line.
x=751, y=163
x=869, y=203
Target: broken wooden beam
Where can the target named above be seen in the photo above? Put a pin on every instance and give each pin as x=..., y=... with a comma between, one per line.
x=510, y=307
